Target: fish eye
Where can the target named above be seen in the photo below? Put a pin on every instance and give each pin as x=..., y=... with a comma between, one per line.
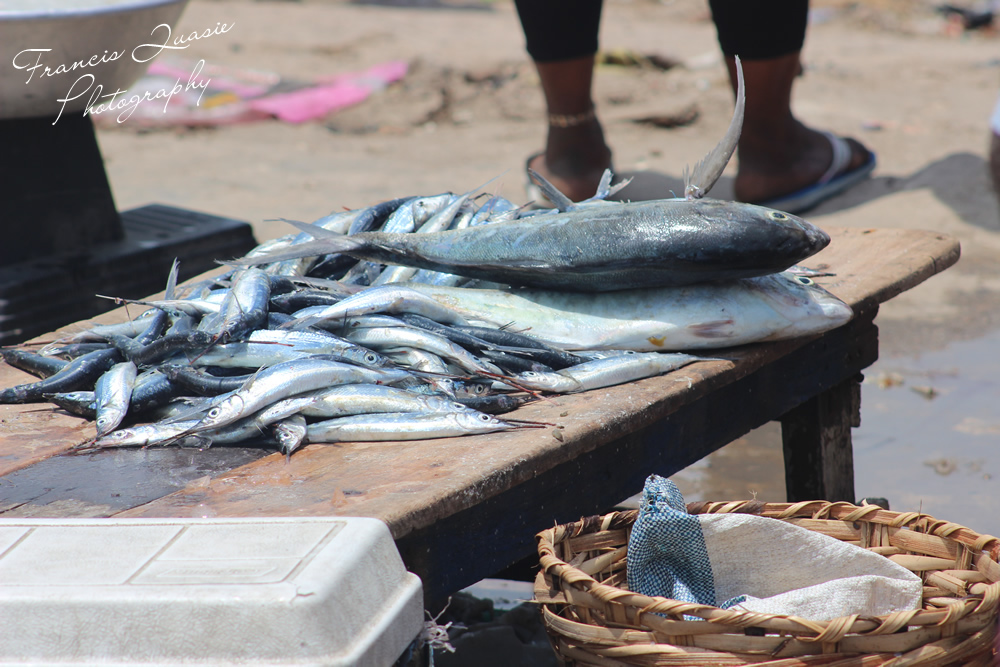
x=802, y=280
x=777, y=215
x=371, y=358
x=484, y=417
x=214, y=412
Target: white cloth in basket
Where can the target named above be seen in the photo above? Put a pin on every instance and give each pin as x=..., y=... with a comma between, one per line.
x=753, y=563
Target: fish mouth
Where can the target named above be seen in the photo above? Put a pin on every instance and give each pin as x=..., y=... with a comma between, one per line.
x=809, y=308
x=818, y=239
x=815, y=239
x=836, y=311
x=829, y=312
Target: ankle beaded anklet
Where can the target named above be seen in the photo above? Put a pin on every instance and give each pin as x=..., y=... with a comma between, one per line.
x=571, y=119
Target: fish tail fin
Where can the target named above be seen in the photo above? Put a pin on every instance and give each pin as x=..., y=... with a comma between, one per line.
x=700, y=180
x=312, y=230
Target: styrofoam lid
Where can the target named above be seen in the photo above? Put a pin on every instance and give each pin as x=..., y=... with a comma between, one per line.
x=303, y=591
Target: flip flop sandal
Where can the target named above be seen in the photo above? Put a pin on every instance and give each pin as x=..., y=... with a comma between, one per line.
x=836, y=179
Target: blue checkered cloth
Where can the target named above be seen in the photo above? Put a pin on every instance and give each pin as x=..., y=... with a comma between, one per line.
x=725, y=560
x=667, y=556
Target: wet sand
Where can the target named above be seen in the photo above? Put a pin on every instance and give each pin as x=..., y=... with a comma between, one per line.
x=893, y=74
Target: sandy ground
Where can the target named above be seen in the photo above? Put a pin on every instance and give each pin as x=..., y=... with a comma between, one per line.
x=893, y=74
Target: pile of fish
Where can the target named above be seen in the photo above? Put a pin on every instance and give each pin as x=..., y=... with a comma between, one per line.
x=427, y=316
x=255, y=359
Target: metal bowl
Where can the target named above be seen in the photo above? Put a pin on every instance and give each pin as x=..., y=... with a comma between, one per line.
x=81, y=38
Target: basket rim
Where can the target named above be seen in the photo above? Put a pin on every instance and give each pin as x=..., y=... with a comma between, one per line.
x=823, y=632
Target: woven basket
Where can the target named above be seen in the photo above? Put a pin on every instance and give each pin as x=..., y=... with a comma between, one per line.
x=592, y=619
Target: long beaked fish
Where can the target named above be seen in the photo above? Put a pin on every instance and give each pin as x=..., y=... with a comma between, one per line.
x=765, y=308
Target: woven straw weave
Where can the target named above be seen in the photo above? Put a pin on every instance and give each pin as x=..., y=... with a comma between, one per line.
x=592, y=619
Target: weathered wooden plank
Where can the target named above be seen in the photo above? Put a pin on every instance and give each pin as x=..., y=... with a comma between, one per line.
x=874, y=265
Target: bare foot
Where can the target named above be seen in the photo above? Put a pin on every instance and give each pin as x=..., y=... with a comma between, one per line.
x=772, y=169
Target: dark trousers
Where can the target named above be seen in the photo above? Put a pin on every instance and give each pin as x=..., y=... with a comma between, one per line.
x=751, y=29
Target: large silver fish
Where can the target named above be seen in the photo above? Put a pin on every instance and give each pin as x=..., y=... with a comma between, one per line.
x=751, y=310
x=599, y=248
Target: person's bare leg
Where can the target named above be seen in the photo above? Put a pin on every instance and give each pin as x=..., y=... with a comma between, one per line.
x=576, y=154
x=778, y=155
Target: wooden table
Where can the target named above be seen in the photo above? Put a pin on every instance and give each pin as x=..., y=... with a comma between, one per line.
x=462, y=509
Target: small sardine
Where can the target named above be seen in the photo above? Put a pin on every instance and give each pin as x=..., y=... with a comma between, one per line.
x=39, y=365
x=153, y=389
x=496, y=404
x=243, y=309
x=81, y=372
x=189, y=341
x=179, y=433
x=79, y=403
x=112, y=394
x=359, y=399
x=626, y=368
x=201, y=382
x=287, y=379
x=538, y=381
x=267, y=347
x=405, y=426
x=290, y=433
x=403, y=338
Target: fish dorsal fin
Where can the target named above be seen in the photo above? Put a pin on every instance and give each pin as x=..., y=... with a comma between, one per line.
x=564, y=203
x=604, y=190
x=700, y=180
x=604, y=187
x=172, y=279
x=561, y=201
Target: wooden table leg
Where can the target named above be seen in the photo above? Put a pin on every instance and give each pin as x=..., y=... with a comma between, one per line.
x=816, y=437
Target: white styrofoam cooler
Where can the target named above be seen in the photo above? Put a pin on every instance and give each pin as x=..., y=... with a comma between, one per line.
x=298, y=591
